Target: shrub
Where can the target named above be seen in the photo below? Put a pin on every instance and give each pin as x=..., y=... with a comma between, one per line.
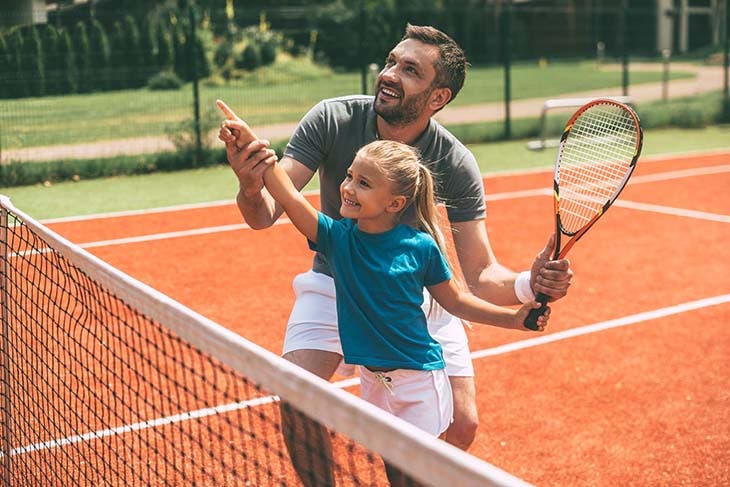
x=689, y=117
x=223, y=53
x=165, y=80
x=250, y=58
x=268, y=53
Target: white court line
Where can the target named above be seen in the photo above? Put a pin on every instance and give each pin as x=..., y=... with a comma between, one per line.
x=175, y=418
x=489, y=352
x=668, y=210
x=178, y=234
x=281, y=221
x=149, y=211
x=605, y=325
x=679, y=174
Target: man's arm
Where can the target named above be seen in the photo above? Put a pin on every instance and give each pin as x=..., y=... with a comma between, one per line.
x=491, y=281
x=255, y=203
x=249, y=159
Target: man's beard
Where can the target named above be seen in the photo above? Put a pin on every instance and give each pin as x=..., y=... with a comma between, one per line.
x=407, y=111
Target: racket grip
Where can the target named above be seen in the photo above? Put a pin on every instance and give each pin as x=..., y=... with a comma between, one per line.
x=535, y=313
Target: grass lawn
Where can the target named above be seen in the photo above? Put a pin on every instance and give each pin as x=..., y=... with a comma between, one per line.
x=218, y=183
x=280, y=94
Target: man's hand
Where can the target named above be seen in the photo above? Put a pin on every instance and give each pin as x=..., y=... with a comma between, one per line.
x=243, y=134
x=248, y=156
x=550, y=277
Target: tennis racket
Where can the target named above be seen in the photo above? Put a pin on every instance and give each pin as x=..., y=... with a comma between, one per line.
x=596, y=156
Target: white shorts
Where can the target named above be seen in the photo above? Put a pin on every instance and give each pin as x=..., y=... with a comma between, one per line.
x=421, y=397
x=313, y=325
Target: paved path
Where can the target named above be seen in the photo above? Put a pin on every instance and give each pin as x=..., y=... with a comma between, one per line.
x=708, y=78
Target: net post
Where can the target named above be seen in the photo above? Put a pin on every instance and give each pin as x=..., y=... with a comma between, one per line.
x=5, y=350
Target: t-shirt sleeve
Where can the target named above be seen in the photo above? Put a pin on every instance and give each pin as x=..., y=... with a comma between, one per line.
x=325, y=227
x=308, y=143
x=463, y=191
x=437, y=270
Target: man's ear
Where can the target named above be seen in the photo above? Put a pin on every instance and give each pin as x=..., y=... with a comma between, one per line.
x=439, y=98
x=396, y=204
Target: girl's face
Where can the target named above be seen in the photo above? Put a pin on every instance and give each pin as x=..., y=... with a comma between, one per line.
x=367, y=197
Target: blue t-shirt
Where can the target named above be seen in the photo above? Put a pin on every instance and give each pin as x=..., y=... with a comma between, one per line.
x=379, y=280
x=331, y=133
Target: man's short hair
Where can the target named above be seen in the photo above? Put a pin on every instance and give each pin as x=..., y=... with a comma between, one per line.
x=451, y=64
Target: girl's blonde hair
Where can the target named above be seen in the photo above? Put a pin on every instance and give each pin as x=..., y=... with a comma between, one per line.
x=401, y=165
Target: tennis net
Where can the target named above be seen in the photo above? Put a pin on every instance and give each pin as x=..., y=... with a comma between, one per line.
x=106, y=381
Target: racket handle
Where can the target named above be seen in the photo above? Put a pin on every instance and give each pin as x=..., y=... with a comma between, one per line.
x=535, y=313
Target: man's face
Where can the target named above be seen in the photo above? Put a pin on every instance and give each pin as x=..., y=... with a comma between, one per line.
x=404, y=86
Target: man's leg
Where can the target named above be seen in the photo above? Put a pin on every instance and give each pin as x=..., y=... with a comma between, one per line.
x=307, y=441
x=462, y=431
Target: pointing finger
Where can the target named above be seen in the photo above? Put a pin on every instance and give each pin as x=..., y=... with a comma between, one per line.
x=230, y=115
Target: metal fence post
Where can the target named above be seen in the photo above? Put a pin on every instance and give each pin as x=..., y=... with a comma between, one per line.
x=363, y=49
x=726, y=64
x=623, y=33
x=505, y=36
x=193, y=42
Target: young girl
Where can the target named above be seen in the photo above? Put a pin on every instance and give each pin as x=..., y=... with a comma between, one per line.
x=380, y=267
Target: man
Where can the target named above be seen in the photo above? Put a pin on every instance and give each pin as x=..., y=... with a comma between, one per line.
x=422, y=74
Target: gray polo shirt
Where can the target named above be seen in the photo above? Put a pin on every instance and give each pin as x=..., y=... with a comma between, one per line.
x=329, y=136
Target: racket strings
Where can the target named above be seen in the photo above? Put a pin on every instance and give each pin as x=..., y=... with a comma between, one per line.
x=595, y=161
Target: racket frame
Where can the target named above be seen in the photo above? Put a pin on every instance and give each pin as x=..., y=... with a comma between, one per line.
x=559, y=252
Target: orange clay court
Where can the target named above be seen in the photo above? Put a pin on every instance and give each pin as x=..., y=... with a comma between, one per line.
x=628, y=386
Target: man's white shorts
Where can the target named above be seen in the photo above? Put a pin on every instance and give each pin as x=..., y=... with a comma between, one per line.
x=313, y=325
x=421, y=397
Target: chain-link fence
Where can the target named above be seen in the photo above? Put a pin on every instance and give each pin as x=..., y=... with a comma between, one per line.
x=104, y=78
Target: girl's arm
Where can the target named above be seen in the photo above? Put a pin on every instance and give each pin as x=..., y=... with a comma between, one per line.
x=466, y=306
x=302, y=214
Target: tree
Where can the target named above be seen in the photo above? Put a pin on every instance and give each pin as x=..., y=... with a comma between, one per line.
x=5, y=68
x=32, y=63
x=69, y=83
x=133, y=57
x=82, y=52
x=118, y=67
x=51, y=61
x=18, y=87
x=148, y=48
x=100, y=55
x=165, y=53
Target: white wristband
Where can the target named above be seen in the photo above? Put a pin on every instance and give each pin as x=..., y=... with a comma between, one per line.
x=523, y=290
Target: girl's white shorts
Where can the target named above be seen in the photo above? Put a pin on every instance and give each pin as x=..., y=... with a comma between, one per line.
x=313, y=325
x=421, y=397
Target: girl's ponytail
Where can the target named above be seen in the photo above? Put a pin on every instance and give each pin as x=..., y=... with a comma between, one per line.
x=424, y=202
